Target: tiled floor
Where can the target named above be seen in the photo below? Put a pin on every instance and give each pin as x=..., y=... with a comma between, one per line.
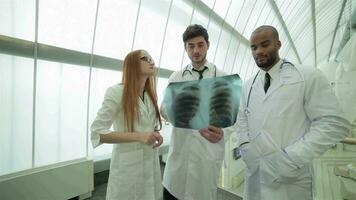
x=100, y=184
x=99, y=192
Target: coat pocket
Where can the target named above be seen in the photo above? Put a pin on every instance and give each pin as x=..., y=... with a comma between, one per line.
x=251, y=157
x=264, y=144
x=279, y=167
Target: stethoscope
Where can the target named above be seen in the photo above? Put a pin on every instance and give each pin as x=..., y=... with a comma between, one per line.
x=254, y=80
x=187, y=70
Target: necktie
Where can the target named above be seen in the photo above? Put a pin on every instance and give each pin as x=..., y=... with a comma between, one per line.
x=200, y=72
x=267, y=82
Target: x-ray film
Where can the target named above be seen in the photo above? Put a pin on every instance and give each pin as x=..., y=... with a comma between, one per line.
x=197, y=104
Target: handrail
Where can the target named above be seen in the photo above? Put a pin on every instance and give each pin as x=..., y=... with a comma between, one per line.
x=349, y=140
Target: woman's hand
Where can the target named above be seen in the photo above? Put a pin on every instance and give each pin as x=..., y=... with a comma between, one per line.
x=154, y=139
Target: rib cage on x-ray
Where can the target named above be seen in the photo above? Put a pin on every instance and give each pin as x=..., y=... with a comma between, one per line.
x=186, y=105
x=199, y=103
x=221, y=105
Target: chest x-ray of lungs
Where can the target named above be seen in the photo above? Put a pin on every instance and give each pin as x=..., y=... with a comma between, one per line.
x=197, y=104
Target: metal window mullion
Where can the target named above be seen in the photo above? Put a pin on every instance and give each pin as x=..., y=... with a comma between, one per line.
x=215, y=17
x=243, y=30
x=136, y=22
x=210, y=12
x=269, y=14
x=35, y=54
x=337, y=26
x=164, y=38
x=220, y=32
x=246, y=70
x=204, y=9
x=191, y=16
x=12, y=105
x=253, y=60
x=90, y=77
x=302, y=32
x=231, y=36
x=190, y=22
x=239, y=40
x=290, y=13
x=314, y=30
x=325, y=16
x=59, y=109
x=298, y=13
x=300, y=10
x=284, y=26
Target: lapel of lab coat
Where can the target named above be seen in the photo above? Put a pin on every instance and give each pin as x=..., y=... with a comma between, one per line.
x=144, y=105
x=274, y=87
x=286, y=76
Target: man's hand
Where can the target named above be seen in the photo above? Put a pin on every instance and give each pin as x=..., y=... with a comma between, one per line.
x=212, y=134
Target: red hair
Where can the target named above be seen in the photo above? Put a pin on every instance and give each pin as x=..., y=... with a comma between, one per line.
x=131, y=80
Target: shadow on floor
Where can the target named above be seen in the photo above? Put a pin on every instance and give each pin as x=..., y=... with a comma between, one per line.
x=100, y=184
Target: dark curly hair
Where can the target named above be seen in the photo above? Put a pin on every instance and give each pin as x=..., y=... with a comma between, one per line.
x=193, y=31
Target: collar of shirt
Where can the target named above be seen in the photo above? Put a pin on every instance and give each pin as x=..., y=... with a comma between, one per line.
x=209, y=65
x=273, y=72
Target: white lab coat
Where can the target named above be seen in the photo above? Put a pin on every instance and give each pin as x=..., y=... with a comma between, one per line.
x=298, y=119
x=134, y=169
x=193, y=163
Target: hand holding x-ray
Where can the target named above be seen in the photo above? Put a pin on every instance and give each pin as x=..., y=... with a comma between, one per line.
x=212, y=134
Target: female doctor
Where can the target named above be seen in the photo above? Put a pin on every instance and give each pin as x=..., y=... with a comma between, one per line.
x=131, y=107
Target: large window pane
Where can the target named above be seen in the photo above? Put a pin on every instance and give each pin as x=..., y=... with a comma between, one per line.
x=234, y=12
x=200, y=18
x=221, y=51
x=66, y=23
x=213, y=31
x=209, y=3
x=166, y=130
x=251, y=69
x=115, y=27
x=162, y=84
x=173, y=48
x=17, y=18
x=152, y=17
x=229, y=58
x=16, y=91
x=259, y=12
x=61, y=112
x=244, y=19
x=246, y=62
x=221, y=7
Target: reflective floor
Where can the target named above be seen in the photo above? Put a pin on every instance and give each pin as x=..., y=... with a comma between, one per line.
x=99, y=192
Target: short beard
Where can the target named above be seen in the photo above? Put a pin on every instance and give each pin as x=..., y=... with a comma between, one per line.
x=269, y=62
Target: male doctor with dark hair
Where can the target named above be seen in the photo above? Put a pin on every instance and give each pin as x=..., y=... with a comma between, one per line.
x=195, y=157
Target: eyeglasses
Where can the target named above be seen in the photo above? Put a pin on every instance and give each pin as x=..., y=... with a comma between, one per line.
x=148, y=59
